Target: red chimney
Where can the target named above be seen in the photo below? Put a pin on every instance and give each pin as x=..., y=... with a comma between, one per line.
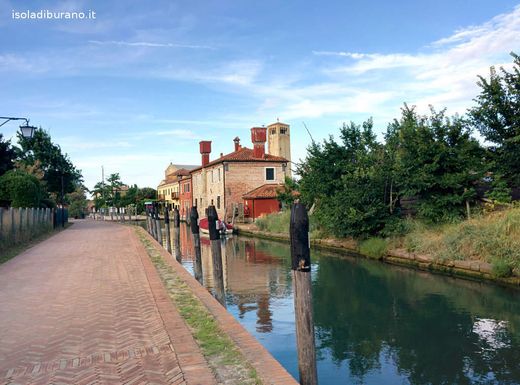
x=205, y=150
x=237, y=143
x=258, y=137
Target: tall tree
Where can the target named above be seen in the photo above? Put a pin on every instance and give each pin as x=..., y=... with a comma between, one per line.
x=7, y=155
x=60, y=175
x=497, y=118
x=438, y=162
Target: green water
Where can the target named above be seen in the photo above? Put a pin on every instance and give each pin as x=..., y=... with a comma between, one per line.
x=374, y=323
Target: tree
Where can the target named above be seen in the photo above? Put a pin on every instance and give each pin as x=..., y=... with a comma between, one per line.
x=346, y=183
x=59, y=174
x=497, y=117
x=7, y=156
x=437, y=162
x=77, y=202
x=20, y=189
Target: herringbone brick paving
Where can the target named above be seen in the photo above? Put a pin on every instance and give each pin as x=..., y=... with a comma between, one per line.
x=79, y=308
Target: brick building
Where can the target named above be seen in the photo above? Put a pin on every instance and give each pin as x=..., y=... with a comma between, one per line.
x=224, y=181
x=168, y=189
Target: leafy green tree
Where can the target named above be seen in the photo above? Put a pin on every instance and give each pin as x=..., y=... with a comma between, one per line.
x=346, y=183
x=114, y=187
x=438, y=162
x=59, y=174
x=21, y=189
x=289, y=192
x=7, y=156
x=497, y=117
x=77, y=202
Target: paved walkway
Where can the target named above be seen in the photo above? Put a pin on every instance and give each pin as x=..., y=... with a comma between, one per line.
x=87, y=307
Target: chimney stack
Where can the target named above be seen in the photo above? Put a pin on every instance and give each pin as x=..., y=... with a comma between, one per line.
x=237, y=143
x=258, y=137
x=205, y=150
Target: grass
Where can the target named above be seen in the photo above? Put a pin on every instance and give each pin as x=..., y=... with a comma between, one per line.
x=493, y=238
x=217, y=347
x=275, y=223
x=373, y=247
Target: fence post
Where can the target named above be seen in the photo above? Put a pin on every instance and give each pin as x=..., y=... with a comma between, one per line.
x=167, y=229
x=177, y=234
x=195, y=231
x=13, y=226
x=216, y=252
x=301, y=277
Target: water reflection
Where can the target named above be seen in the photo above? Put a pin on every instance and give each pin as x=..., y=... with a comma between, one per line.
x=375, y=324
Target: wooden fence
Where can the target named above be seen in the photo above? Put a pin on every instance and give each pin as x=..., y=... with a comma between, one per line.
x=19, y=225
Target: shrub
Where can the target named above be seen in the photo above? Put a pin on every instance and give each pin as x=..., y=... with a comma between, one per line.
x=373, y=248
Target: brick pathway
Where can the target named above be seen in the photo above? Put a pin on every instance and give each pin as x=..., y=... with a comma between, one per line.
x=87, y=307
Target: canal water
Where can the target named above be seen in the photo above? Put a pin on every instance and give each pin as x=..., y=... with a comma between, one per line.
x=374, y=323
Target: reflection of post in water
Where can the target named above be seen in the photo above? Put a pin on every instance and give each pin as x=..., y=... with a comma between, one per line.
x=216, y=252
x=301, y=275
x=167, y=228
x=177, y=234
x=195, y=231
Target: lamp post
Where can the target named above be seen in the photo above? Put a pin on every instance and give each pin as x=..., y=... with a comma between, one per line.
x=26, y=130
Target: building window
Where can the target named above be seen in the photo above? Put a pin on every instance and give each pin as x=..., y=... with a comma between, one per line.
x=219, y=174
x=273, y=131
x=269, y=173
x=283, y=130
x=218, y=202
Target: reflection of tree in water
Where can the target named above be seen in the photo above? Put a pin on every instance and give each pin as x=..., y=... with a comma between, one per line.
x=366, y=315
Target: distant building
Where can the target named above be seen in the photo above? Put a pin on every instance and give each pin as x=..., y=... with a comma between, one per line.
x=185, y=196
x=224, y=181
x=168, y=189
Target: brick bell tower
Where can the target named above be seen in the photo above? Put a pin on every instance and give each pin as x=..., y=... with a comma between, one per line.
x=279, y=142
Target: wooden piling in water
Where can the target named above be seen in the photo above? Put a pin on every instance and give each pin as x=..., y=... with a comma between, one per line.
x=167, y=228
x=177, y=234
x=302, y=289
x=158, y=225
x=216, y=252
x=195, y=231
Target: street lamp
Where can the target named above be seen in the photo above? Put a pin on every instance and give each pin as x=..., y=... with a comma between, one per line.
x=26, y=130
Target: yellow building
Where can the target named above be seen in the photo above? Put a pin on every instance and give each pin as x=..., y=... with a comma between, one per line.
x=168, y=189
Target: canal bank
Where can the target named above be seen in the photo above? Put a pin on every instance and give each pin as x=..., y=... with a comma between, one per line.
x=474, y=270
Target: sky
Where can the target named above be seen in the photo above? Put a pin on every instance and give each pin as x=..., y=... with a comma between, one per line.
x=140, y=84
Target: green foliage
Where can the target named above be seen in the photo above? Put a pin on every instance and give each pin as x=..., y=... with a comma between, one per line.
x=59, y=174
x=500, y=192
x=287, y=195
x=437, y=162
x=373, y=247
x=7, y=156
x=347, y=182
x=501, y=268
x=497, y=117
x=21, y=189
x=276, y=222
x=77, y=203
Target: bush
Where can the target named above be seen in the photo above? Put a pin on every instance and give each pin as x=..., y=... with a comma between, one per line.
x=275, y=223
x=501, y=268
x=373, y=248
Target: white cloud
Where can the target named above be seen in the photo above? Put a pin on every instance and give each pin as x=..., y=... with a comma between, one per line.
x=148, y=44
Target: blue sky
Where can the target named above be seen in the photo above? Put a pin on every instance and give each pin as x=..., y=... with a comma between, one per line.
x=140, y=85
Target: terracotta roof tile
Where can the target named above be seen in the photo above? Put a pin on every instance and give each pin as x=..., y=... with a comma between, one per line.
x=265, y=191
x=244, y=154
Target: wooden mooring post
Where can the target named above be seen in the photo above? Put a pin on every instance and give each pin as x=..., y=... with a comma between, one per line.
x=158, y=224
x=167, y=229
x=177, y=234
x=302, y=289
x=153, y=223
x=216, y=253
x=195, y=231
